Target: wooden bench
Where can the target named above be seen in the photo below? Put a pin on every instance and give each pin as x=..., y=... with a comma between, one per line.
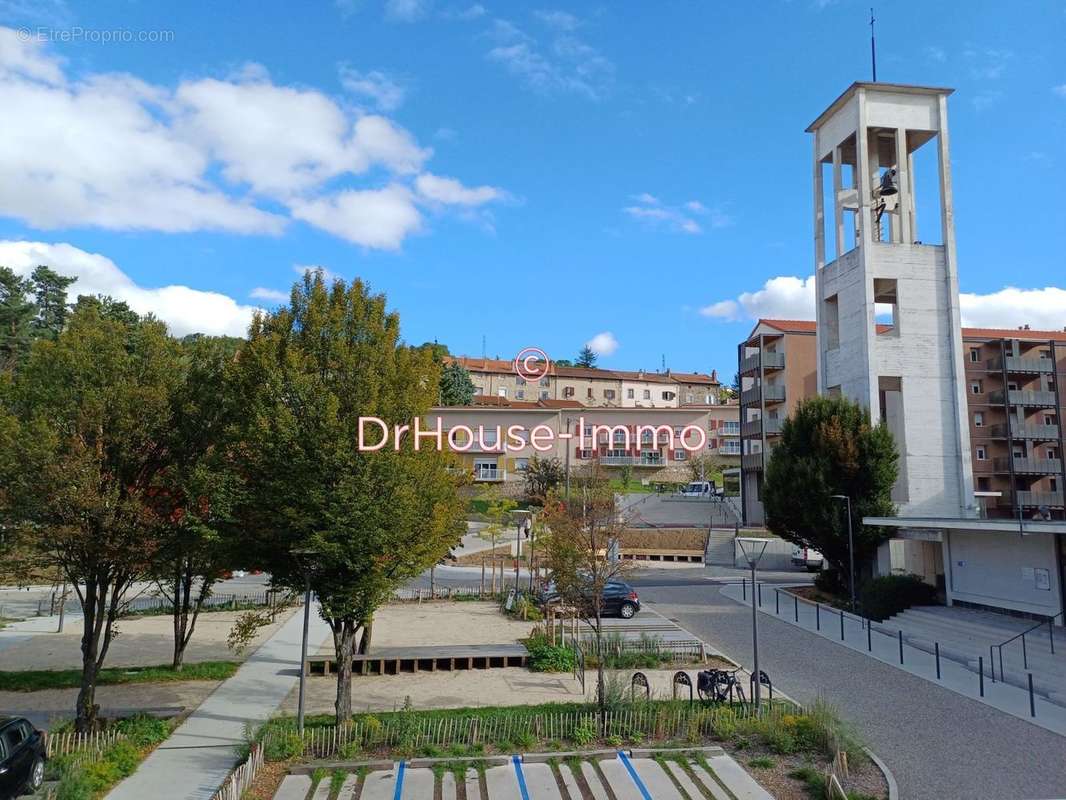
x=400, y=660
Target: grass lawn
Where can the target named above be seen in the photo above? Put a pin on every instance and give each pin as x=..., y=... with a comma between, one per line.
x=34, y=680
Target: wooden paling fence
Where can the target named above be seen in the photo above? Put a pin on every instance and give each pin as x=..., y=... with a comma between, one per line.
x=241, y=778
x=440, y=593
x=653, y=721
x=64, y=744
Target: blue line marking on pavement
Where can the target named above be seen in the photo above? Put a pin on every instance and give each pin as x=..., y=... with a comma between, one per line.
x=522, y=778
x=399, y=781
x=633, y=774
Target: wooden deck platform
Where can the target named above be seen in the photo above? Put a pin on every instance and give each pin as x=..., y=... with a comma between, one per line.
x=399, y=660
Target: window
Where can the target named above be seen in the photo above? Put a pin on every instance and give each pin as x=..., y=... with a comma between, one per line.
x=680, y=454
x=589, y=393
x=568, y=391
x=520, y=381
x=982, y=454
x=975, y=354
x=501, y=392
x=1052, y=452
x=1053, y=484
x=630, y=394
x=1049, y=419
x=669, y=395
x=1012, y=386
x=977, y=387
x=585, y=454
x=690, y=398
x=543, y=381
x=647, y=394
x=1045, y=354
x=544, y=394
x=608, y=394
x=520, y=393
x=978, y=419
x=521, y=463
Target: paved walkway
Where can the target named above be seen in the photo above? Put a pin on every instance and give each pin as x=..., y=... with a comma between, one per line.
x=882, y=643
x=626, y=777
x=939, y=744
x=198, y=756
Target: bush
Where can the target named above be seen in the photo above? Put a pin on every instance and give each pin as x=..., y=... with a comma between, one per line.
x=831, y=582
x=74, y=785
x=583, y=735
x=889, y=594
x=546, y=657
x=143, y=730
x=281, y=745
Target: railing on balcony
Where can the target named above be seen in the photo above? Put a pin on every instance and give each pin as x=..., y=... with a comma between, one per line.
x=772, y=426
x=751, y=428
x=1025, y=397
x=751, y=461
x=1019, y=430
x=729, y=449
x=774, y=394
x=749, y=364
x=1021, y=364
x=1028, y=466
x=730, y=429
x=632, y=461
x=490, y=474
x=1037, y=499
x=752, y=396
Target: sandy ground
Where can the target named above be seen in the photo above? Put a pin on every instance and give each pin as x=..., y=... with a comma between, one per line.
x=52, y=705
x=443, y=622
x=141, y=641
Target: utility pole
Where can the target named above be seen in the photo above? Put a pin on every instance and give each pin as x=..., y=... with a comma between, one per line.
x=873, y=45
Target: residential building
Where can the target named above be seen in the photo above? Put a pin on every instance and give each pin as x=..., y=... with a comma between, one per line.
x=889, y=337
x=594, y=387
x=725, y=432
x=777, y=369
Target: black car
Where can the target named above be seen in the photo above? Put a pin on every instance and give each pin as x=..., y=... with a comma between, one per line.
x=22, y=757
x=619, y=599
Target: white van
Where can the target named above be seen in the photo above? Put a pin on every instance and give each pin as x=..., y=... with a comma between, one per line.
x=698, y=489
x=807, y=557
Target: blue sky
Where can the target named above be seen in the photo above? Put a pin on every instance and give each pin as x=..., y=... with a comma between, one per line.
x=538, y=174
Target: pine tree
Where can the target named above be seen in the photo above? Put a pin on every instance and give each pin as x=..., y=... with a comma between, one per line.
x=586, y=358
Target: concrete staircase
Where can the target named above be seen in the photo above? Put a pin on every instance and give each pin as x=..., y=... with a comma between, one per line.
x=719, y=548
x=965, y=634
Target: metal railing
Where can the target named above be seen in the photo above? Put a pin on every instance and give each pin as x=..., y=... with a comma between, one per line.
x=1020, y=364
x=1028, y=466
x=1039, y=398
x=998, y=648
x=1037, y=499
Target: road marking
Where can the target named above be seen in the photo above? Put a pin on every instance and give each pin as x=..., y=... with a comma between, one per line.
x=399, y=781
x=521, y=778
x=634, y=776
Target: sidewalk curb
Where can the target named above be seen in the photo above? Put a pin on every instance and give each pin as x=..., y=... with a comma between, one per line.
x=893, y=789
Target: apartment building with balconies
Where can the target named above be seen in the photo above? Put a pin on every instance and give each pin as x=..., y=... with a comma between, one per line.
x=1016, y=402
x=777, y=367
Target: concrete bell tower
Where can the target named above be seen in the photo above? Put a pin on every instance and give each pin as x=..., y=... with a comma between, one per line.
x=889, y=333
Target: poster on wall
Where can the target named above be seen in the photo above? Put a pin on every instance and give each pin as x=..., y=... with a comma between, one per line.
x=1043, y=579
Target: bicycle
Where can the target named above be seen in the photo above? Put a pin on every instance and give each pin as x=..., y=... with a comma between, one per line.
x=718, y=685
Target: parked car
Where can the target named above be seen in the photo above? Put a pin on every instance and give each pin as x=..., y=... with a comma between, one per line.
x=700, y=489
x=619, y=599
x=22, y=757
x=808, y=558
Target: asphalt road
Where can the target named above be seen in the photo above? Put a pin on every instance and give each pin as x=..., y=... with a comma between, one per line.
x=939, y=745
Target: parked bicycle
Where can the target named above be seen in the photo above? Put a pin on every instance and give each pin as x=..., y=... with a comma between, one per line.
x=719, y=685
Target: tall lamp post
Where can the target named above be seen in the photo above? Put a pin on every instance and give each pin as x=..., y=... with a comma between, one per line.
x=753, y=549
x=303, y=558
x=523, y=521
x=851, y=549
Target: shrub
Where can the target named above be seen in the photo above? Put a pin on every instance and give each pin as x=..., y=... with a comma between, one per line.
x=889, y=594
x=546, y=657
x=761, y=762
x=281, y=745
x=143, y=730
x=74, y=785
x=124, y=757
x=831, y=582
x=584, y=734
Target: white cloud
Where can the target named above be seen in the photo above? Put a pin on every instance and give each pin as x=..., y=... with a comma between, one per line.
x=783, y=297
x=407, y=10
x=934, y=53
x=262, y=293
x=566, y=64
x=185, y=310
x=380, y=218
x=451, y=192
x=603, y=344
x=682, y=219
x=789, y=297
x=559, y=20
x=237, y=154
x=472, y=12
x=386, y=93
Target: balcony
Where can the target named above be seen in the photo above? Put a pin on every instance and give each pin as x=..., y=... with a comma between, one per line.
x=729, y=449
x=1028, y=466
x=772, y=426
x=1025, y=366
x=768, y=361
x=730, y=429
x=1043, y=433
x=489, y=475
x=1025, y=397
x=632, y=461
x=754, y=428
x=774, y=394
x=1037, y=499
x=751, y=397
x=752, y=461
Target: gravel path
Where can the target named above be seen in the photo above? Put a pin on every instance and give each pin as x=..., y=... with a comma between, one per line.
x=939, y=745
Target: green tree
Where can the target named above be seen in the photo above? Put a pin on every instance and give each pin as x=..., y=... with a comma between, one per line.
x=829, y=447
x=542, y=476
x=362, y=523
x=16, y=318
x=586, y=358
x=625, y=475
x=200, y=487
x=705, y=467
x=88, y=419
x=563, y=362
x=456, y=387
x=50, y=298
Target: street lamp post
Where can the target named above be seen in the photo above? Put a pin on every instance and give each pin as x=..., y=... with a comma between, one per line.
x=523, y=521
x=851, y=550
x=302, y=558
x=753, y=549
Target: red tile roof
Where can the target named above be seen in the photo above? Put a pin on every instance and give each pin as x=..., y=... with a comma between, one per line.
x=809, y=326
x=487, y=400
x=501, y=367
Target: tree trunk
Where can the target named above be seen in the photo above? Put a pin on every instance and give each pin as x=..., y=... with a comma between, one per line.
x=364, y=642
x=601, y=699
x=345, y=631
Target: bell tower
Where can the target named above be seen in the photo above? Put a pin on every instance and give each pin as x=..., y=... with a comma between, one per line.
x=887, y=300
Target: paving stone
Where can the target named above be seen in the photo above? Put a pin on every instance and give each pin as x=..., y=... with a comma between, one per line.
x=473, y=785
x=293, y=787
x=656, y=781
x=593, y=780
x=380, y=785
x=570, y=782
x=322, y=790
x=739, y=782
x=618, y=776
x=713, y=786
x=348, y=788
x=447, y=786
x=502, y=783
x=689, y=785
x=540, y=782
x=418, y=784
